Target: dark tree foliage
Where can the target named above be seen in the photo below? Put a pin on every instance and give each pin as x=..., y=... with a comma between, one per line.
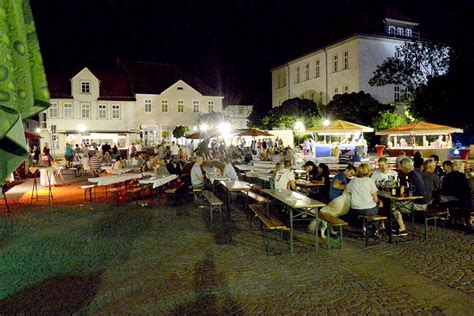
x=413, y=65
x=285, y=115
x=180, y=131
x=354, y=107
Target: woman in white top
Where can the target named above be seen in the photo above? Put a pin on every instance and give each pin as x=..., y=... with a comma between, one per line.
x=363, y=192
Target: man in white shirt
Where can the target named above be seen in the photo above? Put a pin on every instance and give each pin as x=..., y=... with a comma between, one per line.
x=229, y=170
x=383, y=173
x=285, y=178
x=197, y=178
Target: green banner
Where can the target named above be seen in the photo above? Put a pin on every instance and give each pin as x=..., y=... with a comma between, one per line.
x=23, y=87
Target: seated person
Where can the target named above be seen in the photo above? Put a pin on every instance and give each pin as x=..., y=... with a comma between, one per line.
x=363, y=191
x=438, y=170
x=285, y=178
x=383, y=175
x=338, y=184
x=118, y=163
x=197, y=177
x=418, y=161
x=455, y=188
x=322, y=178
x=173, y=167
x=229, y=170
x=159, y=167
x=311, y=170
x=356, y=156
x=447, y=166
x=431, y=180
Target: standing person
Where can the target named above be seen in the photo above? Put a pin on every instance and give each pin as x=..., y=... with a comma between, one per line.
x=77, y=150
x=340, y=181
x=132, y=150
x=174, y=150
x=356, y=156
x=45, y=159
x=197, y=177
x=36, y=155
x=115, y=152
x=363, y=191
x=68, y=155
x=285, y=178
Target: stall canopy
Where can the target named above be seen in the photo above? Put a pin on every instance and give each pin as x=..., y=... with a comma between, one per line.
x=23, y=87
x=254, y=132
x=32, y=136
x=202, y=134
x=340, y=127
x=420, y=128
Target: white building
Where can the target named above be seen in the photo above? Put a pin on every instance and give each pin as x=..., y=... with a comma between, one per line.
x=136, y=102
x=344, y=66
x=238, y=115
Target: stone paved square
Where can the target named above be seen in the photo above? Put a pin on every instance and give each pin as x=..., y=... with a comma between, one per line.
x=94, y=259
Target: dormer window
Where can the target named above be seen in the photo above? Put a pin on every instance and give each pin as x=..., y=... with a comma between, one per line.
x=400, y=31
x=408, y=32
x=85, y=87
x=391, y=30
x=180, y=88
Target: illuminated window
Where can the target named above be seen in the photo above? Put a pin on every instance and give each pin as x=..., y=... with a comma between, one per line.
x=67, y=110
x=102, y=111
x=180, y=105
x=85, y=110
x=307, y=71
x=164, y=105
x=298, y=79
x=400, y=31
x=195, y=106
x=53, y=110
x=408, y=32
x=115, y=111
x=148, y=105
x=391, y=29
x=346, y=60
x=85, y=87
x=317, y=69
x=335, y=63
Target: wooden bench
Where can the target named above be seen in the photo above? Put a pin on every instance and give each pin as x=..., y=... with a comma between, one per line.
x=136, y=191
x=369, y=219
x=258, y=199
x=214, y=203
x=195, y=192
x=334, y=222
x=271, y=223
x=88, y=189
x=115, y=191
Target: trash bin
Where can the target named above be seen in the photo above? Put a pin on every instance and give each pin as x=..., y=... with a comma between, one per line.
x=335, y=152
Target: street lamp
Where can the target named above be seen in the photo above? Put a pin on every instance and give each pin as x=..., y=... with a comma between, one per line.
x=203, y=127
x=81, y=128
x=38, y=130
x=224, y=128
x=326, y=122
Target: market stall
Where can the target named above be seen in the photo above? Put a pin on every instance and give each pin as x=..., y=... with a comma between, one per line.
x=339, y=135
x=428, y=138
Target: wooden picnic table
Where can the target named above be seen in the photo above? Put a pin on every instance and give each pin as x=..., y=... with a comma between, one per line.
x=234, y=187
x=388, y=199
x=159, y=180
x=295, y=201
x=105, y=181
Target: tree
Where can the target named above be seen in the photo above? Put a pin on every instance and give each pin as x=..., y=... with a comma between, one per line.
x=389, y=120
x=180, y=131
x=358, y=108
x=286, y=115
x=413, y=65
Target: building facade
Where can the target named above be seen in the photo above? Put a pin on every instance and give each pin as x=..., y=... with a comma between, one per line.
x=344, y=66
x=238, y=115
x=121, y=106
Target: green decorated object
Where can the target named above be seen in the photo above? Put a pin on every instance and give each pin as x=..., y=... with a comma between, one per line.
x=23, y=87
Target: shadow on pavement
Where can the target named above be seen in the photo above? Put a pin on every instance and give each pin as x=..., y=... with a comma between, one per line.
x=59, y=296
x=211, y=292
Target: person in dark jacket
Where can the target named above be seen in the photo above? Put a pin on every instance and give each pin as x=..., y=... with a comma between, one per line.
x=455, y=188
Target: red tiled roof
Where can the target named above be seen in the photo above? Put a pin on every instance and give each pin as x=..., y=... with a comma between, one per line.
x=392, y=13
x=154, y=78
x=114, y=84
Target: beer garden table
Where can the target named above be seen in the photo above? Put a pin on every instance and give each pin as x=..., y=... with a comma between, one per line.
x=295, y=201
x=388, y=199
x=233, y=186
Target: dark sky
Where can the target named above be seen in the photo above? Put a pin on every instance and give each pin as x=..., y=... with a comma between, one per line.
x=231, y=43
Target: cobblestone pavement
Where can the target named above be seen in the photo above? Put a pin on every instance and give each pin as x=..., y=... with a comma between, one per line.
x=162, y=260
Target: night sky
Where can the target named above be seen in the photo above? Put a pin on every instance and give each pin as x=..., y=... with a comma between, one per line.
x=231, y=44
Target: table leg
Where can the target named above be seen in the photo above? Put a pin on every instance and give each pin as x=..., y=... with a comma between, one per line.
x=228, y=205
x=388, y=208
x=291, y=230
